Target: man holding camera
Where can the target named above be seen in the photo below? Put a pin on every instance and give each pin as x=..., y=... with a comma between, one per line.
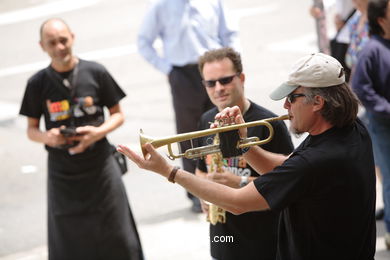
x=88, y=212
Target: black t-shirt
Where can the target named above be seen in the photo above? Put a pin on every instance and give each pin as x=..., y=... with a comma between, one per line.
x=94, y=89
x=326, y=191
x=252, y=232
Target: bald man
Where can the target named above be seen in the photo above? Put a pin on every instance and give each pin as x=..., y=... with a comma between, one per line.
x=89, y=216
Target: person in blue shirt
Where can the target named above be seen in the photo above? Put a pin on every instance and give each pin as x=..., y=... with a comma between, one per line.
x=371, y=83
x=187, y=29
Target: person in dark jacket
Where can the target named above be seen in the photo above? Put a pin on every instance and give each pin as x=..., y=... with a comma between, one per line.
x=372, y=85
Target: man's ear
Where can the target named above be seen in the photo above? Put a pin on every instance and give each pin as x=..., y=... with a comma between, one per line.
x=381, y=21
x=318, y=103
x=242, y=77
x=42, y=46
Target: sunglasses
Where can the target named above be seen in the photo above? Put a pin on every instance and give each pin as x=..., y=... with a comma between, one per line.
x=291, y=98
x=222, y=81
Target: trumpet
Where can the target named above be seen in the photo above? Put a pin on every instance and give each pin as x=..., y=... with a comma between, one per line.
x=200, y=152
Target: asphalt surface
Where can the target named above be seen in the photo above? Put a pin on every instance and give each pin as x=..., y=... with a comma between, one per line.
x=273, y=33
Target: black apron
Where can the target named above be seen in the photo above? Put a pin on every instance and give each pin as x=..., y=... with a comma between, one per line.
x=89, y=216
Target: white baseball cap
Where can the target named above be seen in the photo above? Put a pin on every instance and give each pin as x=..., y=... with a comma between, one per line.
x=316, y=70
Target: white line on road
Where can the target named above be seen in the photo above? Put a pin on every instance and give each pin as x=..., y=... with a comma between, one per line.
x=380, y=244
x=23, y=68
x=98, y=54
x=8, y=110
x=92, y=55
x=44, y=10
x=245, y=12
x=304, y=44
x=28, y=169
x=39, y=253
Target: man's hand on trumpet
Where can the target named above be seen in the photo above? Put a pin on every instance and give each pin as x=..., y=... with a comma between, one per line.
x=231, y=115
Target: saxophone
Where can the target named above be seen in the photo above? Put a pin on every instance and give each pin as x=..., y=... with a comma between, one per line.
x=216, y=214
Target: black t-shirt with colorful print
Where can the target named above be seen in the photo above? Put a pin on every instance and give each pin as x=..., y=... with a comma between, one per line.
x=94, y=89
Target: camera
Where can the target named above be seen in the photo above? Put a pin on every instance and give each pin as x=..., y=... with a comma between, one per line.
x=68, y=131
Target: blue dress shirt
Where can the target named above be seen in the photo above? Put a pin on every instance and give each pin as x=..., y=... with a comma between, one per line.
x=187, y=28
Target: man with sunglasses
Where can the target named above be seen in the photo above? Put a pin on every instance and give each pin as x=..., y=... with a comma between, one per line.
x=224, y=80
x=325, y=189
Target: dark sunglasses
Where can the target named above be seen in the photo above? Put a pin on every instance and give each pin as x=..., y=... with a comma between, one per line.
x=291, y=98
x=222, y=81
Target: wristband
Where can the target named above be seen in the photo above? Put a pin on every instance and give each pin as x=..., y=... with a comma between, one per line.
x=172, y=175
x=244, y=181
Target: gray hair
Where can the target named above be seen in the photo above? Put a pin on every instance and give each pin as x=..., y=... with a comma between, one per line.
x=341, y=104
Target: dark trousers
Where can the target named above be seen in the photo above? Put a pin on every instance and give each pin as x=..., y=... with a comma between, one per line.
x=190, y=101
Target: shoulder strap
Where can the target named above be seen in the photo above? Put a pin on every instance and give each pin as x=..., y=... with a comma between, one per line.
x=55, y=78
x=63, y=84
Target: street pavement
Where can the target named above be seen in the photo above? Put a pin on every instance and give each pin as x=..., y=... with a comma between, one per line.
x=273, y=33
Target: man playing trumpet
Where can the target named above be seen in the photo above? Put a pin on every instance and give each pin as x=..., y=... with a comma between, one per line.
x=325, y=189
x=223, y=79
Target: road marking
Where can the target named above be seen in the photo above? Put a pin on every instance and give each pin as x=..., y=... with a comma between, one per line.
x=110, y=52
x=23, y=68
x=39, y=253
x=380, y=244
x=8, y=110
x=27, y=169
x=304, y=44
x=246, y=12
x=92, y=55
x=44, y=10
x=103, y=53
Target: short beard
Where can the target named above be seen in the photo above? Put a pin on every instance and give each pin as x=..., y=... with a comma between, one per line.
x=295, y=132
